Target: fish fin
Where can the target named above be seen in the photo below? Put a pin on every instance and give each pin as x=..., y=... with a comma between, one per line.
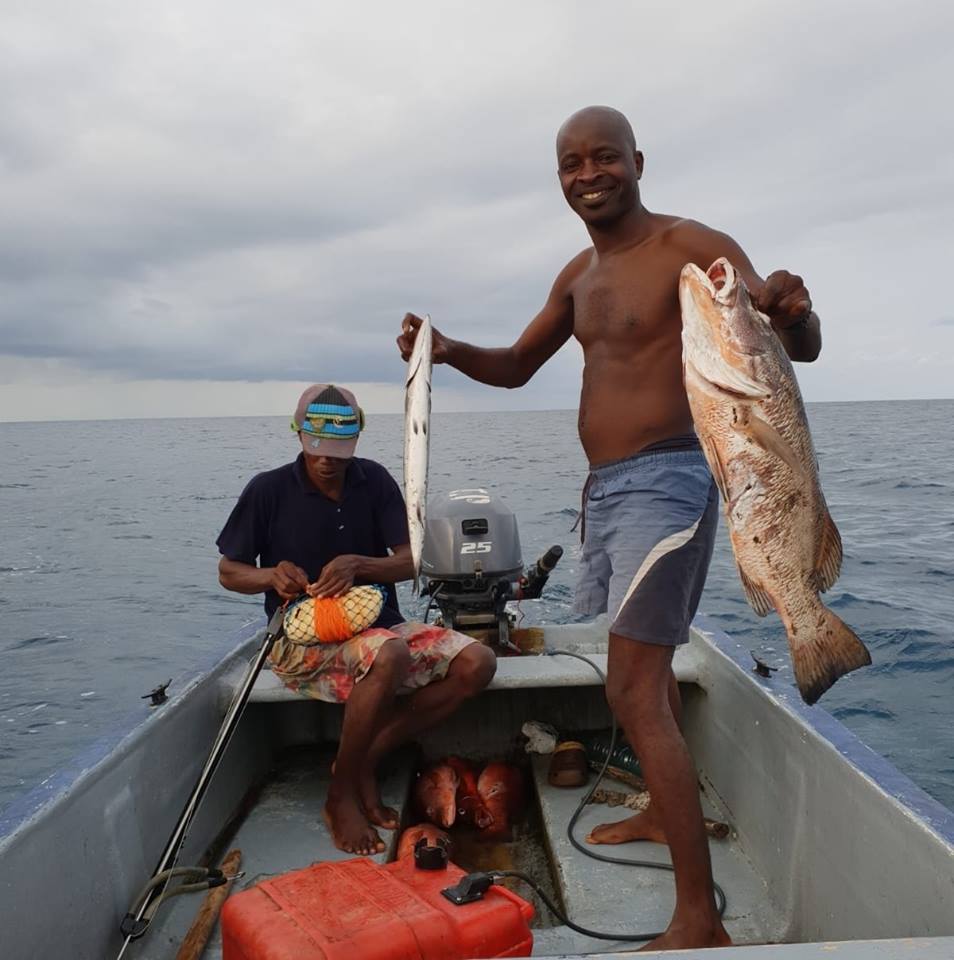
x=828, y=562
x=716, y=466
x=834, y=651
x=739, y=385
x=758, y=599
x=769, y=439
x=725, y=380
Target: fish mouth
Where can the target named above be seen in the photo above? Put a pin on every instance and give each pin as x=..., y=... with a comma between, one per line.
x=721, y=276
x=719, y=281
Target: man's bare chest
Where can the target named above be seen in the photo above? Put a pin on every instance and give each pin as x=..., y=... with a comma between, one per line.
x=626, y=303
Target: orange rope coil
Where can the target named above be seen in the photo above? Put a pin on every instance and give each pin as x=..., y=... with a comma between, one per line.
x=314, y=620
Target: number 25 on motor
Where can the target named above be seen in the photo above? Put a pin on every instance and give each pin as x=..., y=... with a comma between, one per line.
x=481, y=546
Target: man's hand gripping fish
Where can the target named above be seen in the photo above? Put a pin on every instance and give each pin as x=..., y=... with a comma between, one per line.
x=750, y=419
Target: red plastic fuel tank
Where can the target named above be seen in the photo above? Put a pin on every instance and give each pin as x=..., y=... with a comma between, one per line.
x=358, y=910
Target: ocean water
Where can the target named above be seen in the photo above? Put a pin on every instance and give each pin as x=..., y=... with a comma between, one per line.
x=108, y=565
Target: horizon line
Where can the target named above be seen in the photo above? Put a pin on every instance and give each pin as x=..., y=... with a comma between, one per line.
x=253, y=416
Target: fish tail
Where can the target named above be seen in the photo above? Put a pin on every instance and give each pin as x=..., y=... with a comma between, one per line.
x=832, y=652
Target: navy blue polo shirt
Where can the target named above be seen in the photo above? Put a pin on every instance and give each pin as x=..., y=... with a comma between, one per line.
x=281, y=515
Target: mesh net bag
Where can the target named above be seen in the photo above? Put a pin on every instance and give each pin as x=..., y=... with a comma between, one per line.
x=314, y=620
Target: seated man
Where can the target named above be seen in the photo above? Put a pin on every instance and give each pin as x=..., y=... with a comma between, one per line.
x=319, y=525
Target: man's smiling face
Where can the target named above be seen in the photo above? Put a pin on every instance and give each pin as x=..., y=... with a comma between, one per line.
x=599, y=166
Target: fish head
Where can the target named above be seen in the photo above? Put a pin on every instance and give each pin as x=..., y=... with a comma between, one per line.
x=722, y=332
x=429, y=832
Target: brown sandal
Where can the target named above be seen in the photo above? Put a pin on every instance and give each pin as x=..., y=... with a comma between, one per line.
x=568, y=765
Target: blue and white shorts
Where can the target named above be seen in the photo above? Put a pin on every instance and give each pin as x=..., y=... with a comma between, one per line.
x=649, y=525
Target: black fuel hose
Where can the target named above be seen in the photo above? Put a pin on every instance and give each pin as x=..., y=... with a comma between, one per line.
x=563, y=918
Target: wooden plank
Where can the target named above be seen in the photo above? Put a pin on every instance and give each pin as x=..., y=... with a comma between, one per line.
x=193, y=945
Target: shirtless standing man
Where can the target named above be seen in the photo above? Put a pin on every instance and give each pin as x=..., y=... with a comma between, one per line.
x=650, y=509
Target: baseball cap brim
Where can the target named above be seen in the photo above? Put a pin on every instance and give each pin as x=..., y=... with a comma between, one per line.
x=327, y=446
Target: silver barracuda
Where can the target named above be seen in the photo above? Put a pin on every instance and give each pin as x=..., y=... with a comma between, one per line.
x=417, y=415
x=751, y=422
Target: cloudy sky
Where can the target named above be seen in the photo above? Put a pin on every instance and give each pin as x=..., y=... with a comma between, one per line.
x=204, y=205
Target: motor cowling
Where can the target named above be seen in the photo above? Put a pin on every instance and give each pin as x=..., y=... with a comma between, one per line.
x=470, y=534
x=472, y=564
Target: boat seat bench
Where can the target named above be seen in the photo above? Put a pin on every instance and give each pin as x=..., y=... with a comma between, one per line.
x=513, y=673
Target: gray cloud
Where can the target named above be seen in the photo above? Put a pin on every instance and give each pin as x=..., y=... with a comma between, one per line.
x=207, y=194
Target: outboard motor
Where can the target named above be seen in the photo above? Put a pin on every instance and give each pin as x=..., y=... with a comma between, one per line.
x=472, y=562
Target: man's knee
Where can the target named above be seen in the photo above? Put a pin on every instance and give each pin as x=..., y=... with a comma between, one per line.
x=638, y=674
x=392, y=661
x=474, y=667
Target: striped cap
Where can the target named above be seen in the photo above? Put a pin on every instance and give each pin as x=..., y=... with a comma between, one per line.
x=328, y=421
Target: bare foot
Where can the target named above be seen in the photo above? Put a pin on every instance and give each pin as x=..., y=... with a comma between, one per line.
x=380, y=815
x=641, y=826
x=693, y=936
x=350, y=828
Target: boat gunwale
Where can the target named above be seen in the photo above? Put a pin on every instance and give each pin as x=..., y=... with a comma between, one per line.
x=127, y=730
x=874, y=767
x=137, y=724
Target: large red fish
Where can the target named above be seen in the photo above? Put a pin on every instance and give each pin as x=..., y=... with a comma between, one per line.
x=751, y=422
x=500, y=787
x=470, y=807
x=436, y=794
x=434, y=835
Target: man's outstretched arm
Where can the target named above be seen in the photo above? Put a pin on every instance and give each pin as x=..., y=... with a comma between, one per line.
x=508, y=366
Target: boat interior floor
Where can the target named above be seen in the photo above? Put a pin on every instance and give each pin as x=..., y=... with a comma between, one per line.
x=609, y=897
x=281, y=828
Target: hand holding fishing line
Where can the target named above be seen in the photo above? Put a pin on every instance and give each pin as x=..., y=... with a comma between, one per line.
x=336, y=577
x=288, y=580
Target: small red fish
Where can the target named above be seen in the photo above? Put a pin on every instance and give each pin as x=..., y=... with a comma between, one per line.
x=470, y=807
x=436, y=794
x=410, y=837
x=500, y=787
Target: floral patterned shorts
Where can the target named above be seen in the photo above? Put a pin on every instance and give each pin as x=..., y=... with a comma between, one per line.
x=329, y=671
